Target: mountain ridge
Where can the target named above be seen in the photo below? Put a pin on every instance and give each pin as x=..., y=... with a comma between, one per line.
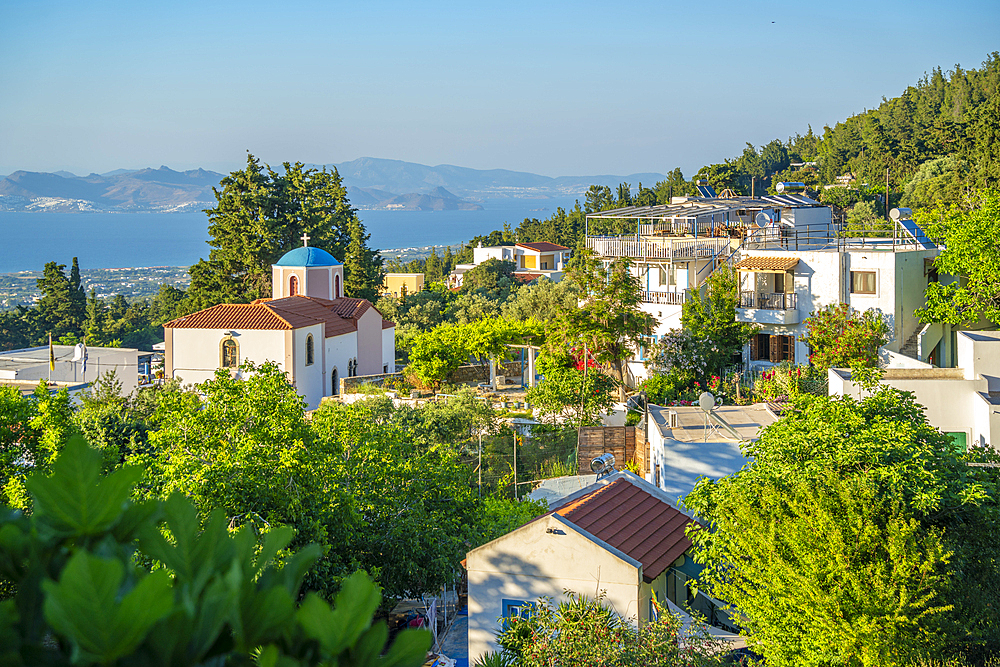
x=374, y=183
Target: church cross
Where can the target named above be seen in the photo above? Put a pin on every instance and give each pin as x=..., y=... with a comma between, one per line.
x=305, y=240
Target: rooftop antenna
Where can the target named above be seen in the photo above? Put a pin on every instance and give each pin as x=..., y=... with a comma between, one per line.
x=706, y=402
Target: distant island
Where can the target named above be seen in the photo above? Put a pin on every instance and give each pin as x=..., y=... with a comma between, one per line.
x=373, y=184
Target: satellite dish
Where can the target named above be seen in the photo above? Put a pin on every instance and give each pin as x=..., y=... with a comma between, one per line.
x=78, y=352
x=706, y=401
x=762, y=219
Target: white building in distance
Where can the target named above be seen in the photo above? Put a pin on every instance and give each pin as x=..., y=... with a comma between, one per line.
x=308, y=328
x=531, y=261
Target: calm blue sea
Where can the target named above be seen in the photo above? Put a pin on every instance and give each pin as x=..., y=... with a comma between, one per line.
x=114, y=240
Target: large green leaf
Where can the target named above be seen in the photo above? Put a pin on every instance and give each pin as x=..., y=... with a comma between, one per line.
x=83, y=607
x=76, y=499
x=340, y=628
x=409, y=649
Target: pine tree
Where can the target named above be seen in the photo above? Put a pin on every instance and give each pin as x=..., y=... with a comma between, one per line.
x=447, y=262
x=432, y=268
x=260, y=215
x=363, y=273
x=56, y=310
x=77, y=295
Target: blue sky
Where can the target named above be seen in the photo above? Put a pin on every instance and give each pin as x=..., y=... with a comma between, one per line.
x=575, y=88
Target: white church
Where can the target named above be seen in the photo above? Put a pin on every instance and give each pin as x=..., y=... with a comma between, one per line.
x=308, y=328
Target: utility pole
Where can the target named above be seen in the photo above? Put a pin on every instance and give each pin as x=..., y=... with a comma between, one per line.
x=887, y=193
x=515, y=465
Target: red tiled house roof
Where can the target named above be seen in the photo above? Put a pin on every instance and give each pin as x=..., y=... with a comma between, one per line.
x=543, y=246
x=634, y=521
x=293, y=312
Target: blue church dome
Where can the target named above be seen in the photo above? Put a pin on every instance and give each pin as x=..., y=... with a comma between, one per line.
x=308, y=256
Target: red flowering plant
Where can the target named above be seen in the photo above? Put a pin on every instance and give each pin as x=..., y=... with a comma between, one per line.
x=786, y=380
x=841, y=337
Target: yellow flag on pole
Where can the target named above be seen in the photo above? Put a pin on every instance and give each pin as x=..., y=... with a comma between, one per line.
x=52, y=354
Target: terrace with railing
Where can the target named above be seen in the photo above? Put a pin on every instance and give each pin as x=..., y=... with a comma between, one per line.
x=671, y=248
x=901, y=236
x=769, y=300
x=664, y=298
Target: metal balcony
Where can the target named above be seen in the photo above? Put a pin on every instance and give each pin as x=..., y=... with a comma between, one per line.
x=768, y=308
x=664, y=298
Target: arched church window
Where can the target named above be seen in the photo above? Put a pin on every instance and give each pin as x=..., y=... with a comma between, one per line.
x=293, y=286
x=310, y=350
x=230, y=353
x=336, y=286
x=336, y=383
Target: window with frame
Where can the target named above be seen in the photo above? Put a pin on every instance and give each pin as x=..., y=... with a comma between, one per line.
x=230, y=353
x=862, y=282
x=293, y=286
x=512, y=608
x=310, y=350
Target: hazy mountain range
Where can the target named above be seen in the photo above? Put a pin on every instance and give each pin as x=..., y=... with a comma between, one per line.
x=373, y=183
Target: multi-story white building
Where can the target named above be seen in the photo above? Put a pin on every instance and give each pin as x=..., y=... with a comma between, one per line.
x=786, y=275
x=531, y=260
x=675, y=247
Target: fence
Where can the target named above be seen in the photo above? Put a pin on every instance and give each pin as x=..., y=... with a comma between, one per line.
x=627, y=443
x=673, y=248
x=769, y=300
x=349, y=384
x=664, y=298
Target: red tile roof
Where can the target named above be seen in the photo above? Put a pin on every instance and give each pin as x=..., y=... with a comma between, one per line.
x=340, y=315
x=543, y=246
x=634, y=521
x=526, y=277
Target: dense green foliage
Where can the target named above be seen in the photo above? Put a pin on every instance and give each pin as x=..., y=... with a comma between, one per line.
x=214, y=598
x=856, y=535
x=437, y=353
x=609, y=322
x=389, y=490
x=840, y=337
x=567, y=392
x=260, y=215
x=581, y=631
x=972, y=252
x=70, y=316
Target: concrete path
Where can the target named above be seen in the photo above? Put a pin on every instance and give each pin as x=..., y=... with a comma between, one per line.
x=455, y=644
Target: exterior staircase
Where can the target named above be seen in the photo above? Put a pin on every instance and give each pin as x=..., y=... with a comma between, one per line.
x=909, y=348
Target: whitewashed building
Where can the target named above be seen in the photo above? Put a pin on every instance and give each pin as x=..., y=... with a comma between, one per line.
x=964, y=402
x=531, y=261
x=675, y=247
x=308, y=328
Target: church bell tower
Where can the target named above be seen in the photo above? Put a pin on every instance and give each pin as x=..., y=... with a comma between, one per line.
x=307, y=271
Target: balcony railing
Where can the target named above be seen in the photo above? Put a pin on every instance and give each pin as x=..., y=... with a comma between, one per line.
x=629, y=246
x=664, y=298
x=769, y=300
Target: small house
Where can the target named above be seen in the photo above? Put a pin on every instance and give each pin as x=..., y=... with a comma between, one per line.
x=620, y=535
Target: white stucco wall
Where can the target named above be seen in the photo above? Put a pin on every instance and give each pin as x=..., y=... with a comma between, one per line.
x=956, y=400
x=310, y=380
x=389, y=349
x=339, y=350
x=530, y=562
x=195, y=352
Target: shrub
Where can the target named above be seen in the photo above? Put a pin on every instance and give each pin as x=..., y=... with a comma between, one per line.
x=787, y=380
x=582, y=631
x=841, y=337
